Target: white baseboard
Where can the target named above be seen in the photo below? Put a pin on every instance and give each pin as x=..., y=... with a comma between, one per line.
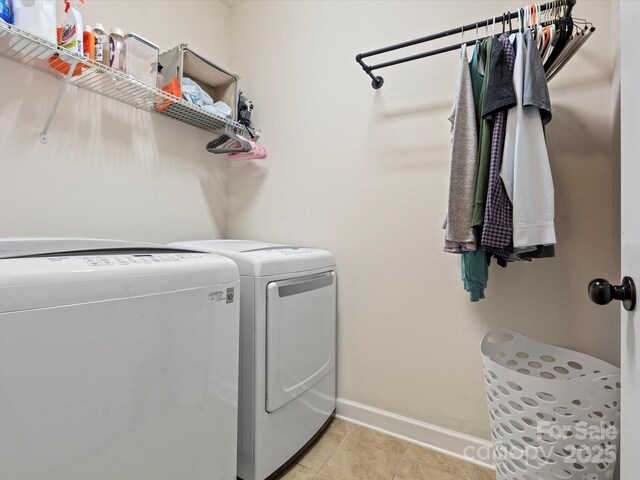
x=459, y=445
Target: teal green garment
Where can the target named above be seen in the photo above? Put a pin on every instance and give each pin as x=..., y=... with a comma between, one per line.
x=475, y=273
x=484, y=144
x=477, y=77
x=474, y=265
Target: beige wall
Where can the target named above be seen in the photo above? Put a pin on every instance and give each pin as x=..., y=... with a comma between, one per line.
x=364, y=173
x=110, y=170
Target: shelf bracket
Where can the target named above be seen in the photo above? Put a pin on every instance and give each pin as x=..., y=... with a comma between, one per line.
x=44, y=135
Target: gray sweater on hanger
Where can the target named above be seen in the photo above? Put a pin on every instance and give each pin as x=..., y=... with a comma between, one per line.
x=459, y=235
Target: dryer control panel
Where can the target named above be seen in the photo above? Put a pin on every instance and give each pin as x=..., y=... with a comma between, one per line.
x=278, y=252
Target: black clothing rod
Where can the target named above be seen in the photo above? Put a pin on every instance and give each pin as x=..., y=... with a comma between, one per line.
x=378, y=81
x=436, y=51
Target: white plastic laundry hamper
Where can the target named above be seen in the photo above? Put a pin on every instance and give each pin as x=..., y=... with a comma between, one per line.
x=555, y=413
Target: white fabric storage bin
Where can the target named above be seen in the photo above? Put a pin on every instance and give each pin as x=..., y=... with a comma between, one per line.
x=220, y=84
x=555, y=413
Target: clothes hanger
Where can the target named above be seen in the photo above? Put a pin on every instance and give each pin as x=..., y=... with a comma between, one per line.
x=229, y=142
x=552, y=26
x=549, y=30
x=480, y=54
x=572, y=51
x=572, y=46
x=520, y=19
x=531, y=18
x=541, y=41
x=564, y=9
x=587, y=24
x=557, y=27
x=545, y=29
x=548, y=39
x=537, y=27
x=560, y=37
x=542, y=29
x=565, y=41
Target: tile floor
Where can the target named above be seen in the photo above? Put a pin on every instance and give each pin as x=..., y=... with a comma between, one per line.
x=350, y=452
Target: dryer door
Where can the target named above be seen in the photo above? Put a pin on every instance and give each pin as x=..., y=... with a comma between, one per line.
x=301, y=332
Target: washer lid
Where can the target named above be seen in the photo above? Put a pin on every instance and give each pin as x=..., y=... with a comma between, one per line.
x=30, y=247
x=41, y=273
x=261, y=259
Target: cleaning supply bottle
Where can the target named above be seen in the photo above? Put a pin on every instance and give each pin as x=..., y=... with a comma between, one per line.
x=37, y=17
x=72, y=32
x=59, y=65
x=102, y=45
x=89, y=43
x=5, y=11
x=116, y=43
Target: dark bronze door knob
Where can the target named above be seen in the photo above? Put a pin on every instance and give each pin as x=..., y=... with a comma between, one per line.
x=602, y=292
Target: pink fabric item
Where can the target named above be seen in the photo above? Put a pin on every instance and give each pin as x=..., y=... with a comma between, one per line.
x=257, y=153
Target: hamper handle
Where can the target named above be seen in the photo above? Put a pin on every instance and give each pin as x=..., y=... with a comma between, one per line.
x=498, y=332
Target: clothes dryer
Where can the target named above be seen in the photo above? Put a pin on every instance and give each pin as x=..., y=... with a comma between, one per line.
x=287, y=350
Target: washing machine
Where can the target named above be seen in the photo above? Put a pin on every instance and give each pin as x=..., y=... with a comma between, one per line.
x=118, y=360
x=287, y=350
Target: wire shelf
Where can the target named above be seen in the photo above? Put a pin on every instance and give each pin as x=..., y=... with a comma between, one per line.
x=35, y=52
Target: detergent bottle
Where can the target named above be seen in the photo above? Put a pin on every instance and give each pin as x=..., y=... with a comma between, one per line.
x=116, y=44
x=6, y=11
x=37, y=17
x=102, y=45
x=89, y=43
